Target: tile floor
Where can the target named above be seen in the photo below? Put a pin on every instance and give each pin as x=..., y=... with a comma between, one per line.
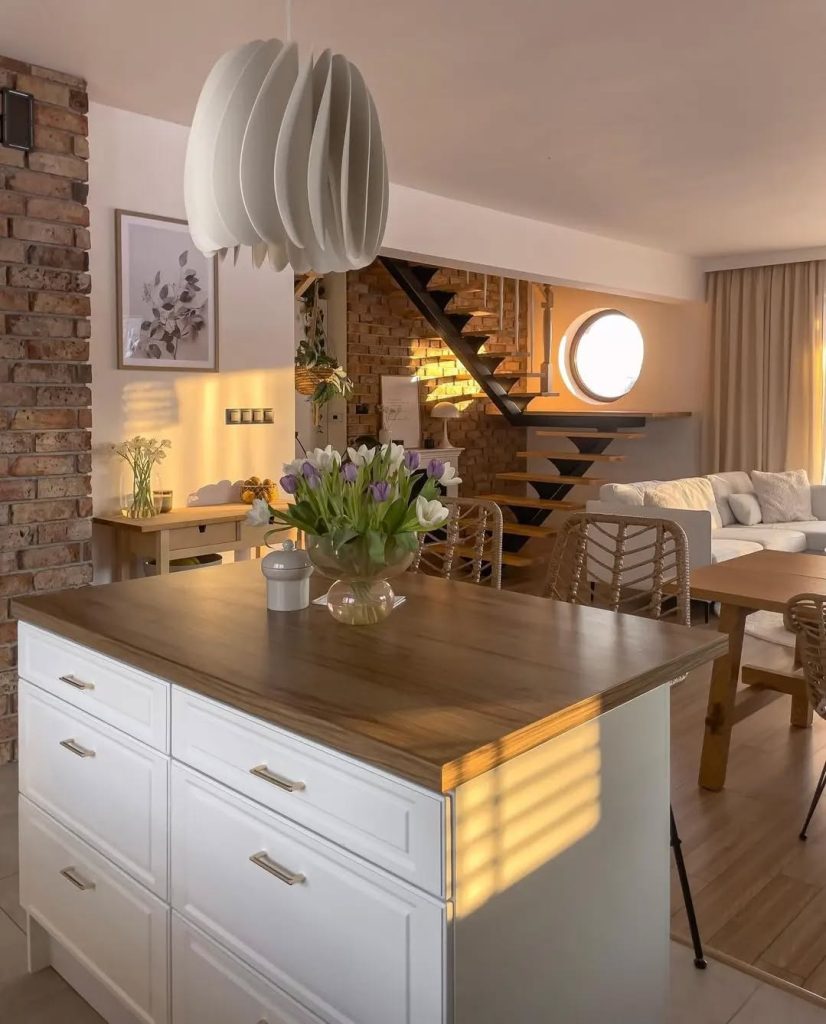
x=719, y=995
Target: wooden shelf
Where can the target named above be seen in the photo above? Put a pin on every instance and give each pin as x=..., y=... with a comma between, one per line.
x=515, y=501
x=599, y=435
x=572, y=456
x=553, y=478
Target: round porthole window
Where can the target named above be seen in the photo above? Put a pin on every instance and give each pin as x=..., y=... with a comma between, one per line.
x=606, y=355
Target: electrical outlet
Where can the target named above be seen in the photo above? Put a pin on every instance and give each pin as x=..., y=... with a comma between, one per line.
x=248, y=417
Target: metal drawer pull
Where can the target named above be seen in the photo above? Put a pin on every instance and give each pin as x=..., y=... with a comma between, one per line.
x=78, y=881
x=290, y=877
x=76, y=748
x=261, y=771
x=77, y=683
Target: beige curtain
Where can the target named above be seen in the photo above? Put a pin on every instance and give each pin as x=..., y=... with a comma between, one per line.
x=768, y=368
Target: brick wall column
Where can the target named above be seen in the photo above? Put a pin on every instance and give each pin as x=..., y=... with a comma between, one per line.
x=45, y=399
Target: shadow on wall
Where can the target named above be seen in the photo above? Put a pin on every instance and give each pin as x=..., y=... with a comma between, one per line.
x=149, y=406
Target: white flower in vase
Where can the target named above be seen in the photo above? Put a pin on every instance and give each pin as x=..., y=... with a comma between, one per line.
x=259, y=513
x=362, y=456
x=324, y=458
x=431, y=514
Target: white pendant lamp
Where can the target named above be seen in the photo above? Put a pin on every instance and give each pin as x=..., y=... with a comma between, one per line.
x=287, y=159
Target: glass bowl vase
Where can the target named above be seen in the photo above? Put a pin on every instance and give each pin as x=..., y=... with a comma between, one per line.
x=360, y=595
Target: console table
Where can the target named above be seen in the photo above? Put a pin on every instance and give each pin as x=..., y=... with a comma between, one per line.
x=183, y=533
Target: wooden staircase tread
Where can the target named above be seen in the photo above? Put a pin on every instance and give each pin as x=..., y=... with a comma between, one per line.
x=508, y=557
x=516, y=501
x=464, y=396
x=465, y=288
x=572, y=456
x=600, y=435
x=526, y=530
x=553, y=478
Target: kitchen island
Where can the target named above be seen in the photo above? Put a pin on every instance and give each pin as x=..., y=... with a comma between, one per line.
x=459, y=815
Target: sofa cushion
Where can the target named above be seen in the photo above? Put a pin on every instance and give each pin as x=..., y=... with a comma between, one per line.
x=813, y=530
x=690, y=493
x=784, y=497
x=746, y=509
x=723, y=550
x=726, y=484
x=626, y=494
x=765, y=536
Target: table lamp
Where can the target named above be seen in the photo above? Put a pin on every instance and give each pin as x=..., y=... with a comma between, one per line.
x=445, y=411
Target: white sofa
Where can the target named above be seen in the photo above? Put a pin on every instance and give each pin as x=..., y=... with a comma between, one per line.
x=710, y=542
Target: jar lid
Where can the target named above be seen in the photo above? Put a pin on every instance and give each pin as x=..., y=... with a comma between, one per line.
x=288, y=556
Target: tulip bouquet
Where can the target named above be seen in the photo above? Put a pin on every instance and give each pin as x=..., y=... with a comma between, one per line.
x=362, y=513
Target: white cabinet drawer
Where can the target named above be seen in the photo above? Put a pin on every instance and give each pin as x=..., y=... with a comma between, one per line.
x=210, y=986
x=124, y=697
x=389, y=822
x=110, y=789
x=113, y=926
x=348, y=941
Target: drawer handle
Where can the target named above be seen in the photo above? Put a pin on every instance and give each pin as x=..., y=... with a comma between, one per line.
x=290, y=877
x=77, y=683
x=76, y=748
x=261, y=771
x=77, y=880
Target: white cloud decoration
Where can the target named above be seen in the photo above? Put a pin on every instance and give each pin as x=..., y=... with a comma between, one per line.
x=287, y=159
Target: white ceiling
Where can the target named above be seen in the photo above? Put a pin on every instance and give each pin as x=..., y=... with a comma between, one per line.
x=697, y=126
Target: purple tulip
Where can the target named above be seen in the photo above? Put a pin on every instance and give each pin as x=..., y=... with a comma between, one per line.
x=289, y=484
x=411, y=461
x=311, y=475
x=380, y=490
x=349, y=473
x=435, y=468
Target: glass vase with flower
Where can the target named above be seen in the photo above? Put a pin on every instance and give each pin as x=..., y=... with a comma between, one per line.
x=142, y=456
x=362, y=514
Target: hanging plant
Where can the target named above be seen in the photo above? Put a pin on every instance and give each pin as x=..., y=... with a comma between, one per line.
x=317, y=373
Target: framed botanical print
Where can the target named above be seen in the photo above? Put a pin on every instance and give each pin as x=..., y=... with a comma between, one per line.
x=167, y=296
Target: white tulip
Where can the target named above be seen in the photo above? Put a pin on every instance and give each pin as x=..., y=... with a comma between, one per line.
x=449, y=477
x=324, y=458
x=362, y=456
x=396, y=454
x=293, y=468
x=430, y=514
x=259, y=514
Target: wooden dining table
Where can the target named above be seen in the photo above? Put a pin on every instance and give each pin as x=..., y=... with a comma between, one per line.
x=762, y=581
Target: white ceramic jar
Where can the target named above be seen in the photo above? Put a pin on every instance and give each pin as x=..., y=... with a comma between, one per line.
x=287, y=570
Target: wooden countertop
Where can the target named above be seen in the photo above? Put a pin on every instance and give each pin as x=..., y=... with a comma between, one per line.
x=459, y=679
x=194, y=515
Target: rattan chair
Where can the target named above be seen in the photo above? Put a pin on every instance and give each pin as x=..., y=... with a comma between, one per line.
x=806, y=617
x=467, y=547
x=638, y=567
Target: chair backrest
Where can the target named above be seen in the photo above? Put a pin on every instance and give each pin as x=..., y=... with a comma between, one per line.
x=623, y=564
x=467, y=547
x=806, y=616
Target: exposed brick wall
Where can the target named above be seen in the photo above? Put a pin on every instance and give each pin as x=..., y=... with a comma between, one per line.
x=385, y=335
x=45, y=415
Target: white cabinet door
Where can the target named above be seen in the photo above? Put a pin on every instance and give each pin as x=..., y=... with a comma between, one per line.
x=110, y=789
x=388, y=821
x=349, y=941
x=210, y=986
x=123, y=696
x=115, y=928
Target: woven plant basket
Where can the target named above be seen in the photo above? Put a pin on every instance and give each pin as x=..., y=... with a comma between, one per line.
x=307, y=378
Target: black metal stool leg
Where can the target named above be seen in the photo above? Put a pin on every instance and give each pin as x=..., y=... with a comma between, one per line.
x=676, y=846
x=821, y=784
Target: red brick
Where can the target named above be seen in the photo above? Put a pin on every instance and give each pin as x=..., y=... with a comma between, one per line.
x=58, y=302
x=58, y=209
x=81, y=146
x=39, y=184
x=11, y=202
x=64, y=487
x=43, y=373
x=42, y=511
x=43, y=89
x=83, y=238
x=17, y=490
x=84, y=462
x=8, y=632
x=57, y=348
x=39, y=231
x=44, y=419
x=52, y=256
x=84, y=507
x=10, y=64
x=68, y=396
x=15, y=585
x=63, y=441
x=12, y=348
x=12, y=251
x=52, y=140
x=83, y=328
x=42, y=465
x=56, y=533
x=54, y=117
x=12, y=157
x=8, y=656
x=16, y=395
x=36, y=326
x=54, y=163
x=84, y=417
x=14, y=300
x=13, y=444
x=48, y=280
x=44, y=558
x=61, y=579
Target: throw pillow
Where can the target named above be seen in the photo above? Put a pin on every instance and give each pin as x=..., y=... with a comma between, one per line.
x=746, y=509
x=784, y=497
x=725, y=484
x=690, y=493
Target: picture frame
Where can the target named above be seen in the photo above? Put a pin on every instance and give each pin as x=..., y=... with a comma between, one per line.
x=167, y=296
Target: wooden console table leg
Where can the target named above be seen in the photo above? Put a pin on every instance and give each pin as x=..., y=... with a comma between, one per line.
x=122, y=569
x=162, y=552
x=721, y=697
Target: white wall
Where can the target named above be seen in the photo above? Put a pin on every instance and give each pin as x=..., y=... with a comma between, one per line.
x=137, y=164
x=475, y=238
